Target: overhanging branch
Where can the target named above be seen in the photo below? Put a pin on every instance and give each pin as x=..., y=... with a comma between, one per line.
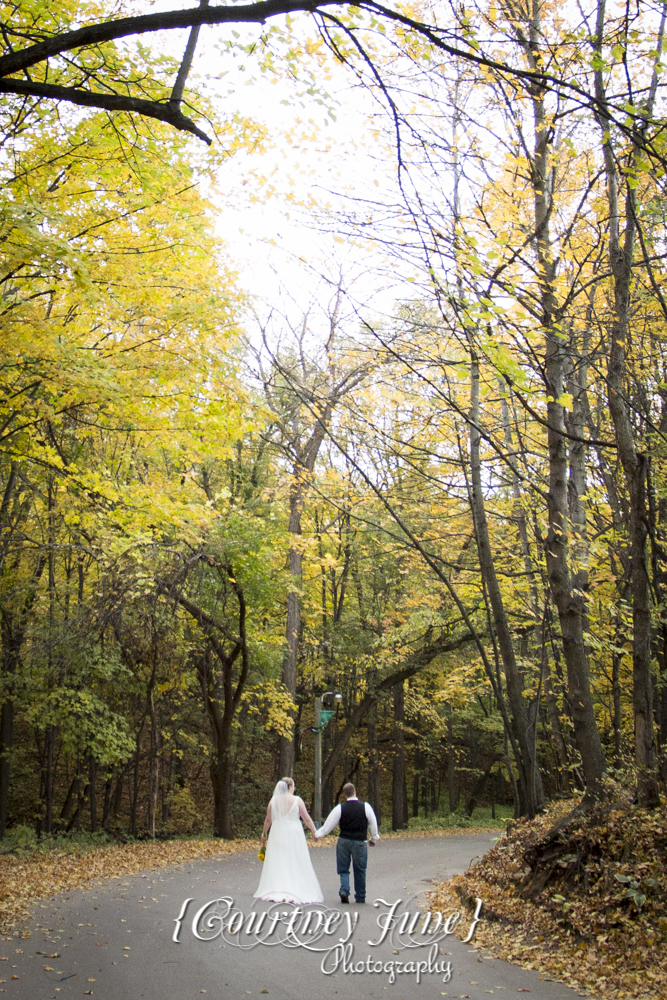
x=420, y=659
x=108, y=31
x=168, y=113
x=257, y=13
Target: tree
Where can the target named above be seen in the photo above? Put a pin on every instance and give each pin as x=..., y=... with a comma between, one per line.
x=530, y=236
x=302, y=393
x=621, y=253
x=120, y=88
x=117, y=319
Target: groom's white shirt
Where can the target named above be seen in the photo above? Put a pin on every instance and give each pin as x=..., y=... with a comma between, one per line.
x=333, y=819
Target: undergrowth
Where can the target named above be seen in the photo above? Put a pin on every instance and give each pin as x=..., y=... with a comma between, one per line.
x=482, y=818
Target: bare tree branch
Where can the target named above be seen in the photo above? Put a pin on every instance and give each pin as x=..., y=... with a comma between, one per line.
x=168, y=113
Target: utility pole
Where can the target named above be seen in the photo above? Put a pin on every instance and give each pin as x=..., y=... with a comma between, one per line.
x=317, y=729
x=322, y=718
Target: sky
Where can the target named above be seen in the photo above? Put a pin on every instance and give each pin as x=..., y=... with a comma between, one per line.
x=322, y=157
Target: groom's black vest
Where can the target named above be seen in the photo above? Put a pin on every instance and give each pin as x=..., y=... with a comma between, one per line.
x=353, y=822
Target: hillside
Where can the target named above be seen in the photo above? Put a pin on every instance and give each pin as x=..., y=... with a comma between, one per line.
x=586, y=907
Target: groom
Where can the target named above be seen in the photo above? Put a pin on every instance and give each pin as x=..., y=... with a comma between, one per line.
x=355, y=819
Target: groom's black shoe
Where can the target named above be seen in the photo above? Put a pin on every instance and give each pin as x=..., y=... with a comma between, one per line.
x=344, y=898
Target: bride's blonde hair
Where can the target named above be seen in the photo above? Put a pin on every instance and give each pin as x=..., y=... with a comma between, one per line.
x=289, y=782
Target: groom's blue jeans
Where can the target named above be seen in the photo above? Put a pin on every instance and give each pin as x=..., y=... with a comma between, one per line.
x=355, y=851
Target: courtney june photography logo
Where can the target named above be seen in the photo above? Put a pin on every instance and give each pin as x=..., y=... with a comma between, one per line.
x=329, y=933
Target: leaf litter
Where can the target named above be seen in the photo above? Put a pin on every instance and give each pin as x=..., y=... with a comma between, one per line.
x=24, y=880
x=589, y=910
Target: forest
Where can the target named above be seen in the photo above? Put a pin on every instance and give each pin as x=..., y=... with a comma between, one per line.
x=454, y=517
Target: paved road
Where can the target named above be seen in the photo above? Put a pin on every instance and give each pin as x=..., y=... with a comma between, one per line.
x=115, y=942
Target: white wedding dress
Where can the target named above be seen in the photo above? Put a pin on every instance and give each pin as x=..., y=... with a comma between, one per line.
x=288, y=875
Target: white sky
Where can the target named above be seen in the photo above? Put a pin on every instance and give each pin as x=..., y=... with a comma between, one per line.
x=276, y=243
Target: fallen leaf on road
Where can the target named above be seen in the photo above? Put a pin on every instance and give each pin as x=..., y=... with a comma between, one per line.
x=48, y=968
x=92, y=980
x=25, y=880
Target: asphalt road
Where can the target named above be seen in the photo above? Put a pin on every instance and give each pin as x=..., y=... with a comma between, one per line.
x=115, y=942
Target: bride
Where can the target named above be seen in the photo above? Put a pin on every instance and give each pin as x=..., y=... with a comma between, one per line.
x=288, y=875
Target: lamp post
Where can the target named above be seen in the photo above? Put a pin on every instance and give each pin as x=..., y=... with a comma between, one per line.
x=321, y=720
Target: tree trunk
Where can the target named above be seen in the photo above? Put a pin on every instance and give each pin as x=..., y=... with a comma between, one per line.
x=13, y=635
x=293, y=630
x=634, y=466
x=556, y=730
x=530, y=780
x=373, y=765
x=92, y=778
x=49, y=742
x=106, y=808
x=616, y=712
x=304, y=456
x=425, y=795
x=221, y=779
x=304, y=464
x=154, y=766
x=135, y=789
x=635, y=463
x=398, y=787
x=118, y=795
x=471, y=802
x=6, y=745
x=452, y=785
x=415, y=786
x=80, y=805
x=67, y=804
x=215, y=693
x=570, y=603
x=218, y=689
x=166, y=794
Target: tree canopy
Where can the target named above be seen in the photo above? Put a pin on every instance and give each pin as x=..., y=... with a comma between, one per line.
x=453, y=516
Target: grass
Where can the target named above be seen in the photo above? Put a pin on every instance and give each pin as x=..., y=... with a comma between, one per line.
x=455, y=820
x=21, y=841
